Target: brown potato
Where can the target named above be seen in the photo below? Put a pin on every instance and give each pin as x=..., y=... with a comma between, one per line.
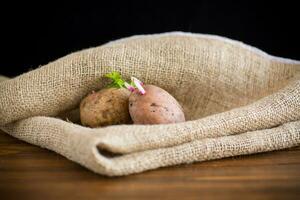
x=157, y=106
x=105, y=107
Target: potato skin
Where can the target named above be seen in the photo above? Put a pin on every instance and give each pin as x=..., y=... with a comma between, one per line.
x=157, y=106
x=105, y=107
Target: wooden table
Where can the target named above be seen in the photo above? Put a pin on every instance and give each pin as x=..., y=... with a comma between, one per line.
x=29, y=172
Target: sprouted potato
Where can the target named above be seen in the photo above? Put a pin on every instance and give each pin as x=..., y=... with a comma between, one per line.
x=124, y=103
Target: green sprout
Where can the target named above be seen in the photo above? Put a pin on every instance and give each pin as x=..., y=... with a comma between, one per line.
x=117, y=81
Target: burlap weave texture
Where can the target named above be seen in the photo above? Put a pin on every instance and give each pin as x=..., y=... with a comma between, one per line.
x=237, y=99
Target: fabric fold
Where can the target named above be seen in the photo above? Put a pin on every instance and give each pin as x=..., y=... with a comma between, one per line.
x=81, y=145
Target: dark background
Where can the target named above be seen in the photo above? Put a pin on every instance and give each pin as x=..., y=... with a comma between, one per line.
x=36, y=33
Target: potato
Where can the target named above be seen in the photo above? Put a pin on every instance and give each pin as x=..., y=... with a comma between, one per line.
x=157, y=106
x=105, y=107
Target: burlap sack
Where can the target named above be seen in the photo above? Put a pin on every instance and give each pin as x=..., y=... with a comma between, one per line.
x=238, y=100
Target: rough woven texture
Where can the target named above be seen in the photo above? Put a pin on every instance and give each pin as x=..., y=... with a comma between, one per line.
x=238, y=100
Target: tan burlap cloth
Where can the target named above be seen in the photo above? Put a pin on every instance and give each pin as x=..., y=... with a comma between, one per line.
x=237, y=99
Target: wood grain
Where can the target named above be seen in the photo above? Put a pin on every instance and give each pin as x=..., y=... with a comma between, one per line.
x=29, y=172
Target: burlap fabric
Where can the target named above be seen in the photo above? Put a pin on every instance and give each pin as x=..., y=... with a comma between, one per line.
x=238, y=100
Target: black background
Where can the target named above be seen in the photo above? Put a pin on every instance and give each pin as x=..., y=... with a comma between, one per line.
x=36, y=33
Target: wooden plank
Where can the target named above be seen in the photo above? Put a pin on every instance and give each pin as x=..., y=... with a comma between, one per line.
x=29, y=172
